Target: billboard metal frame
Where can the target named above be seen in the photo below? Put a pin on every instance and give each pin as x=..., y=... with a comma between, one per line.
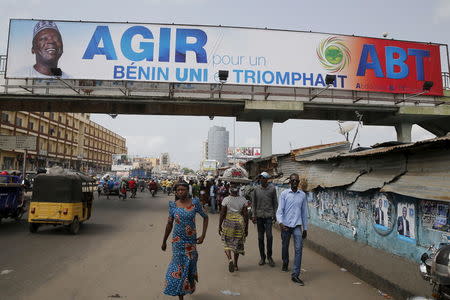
x=441, y=45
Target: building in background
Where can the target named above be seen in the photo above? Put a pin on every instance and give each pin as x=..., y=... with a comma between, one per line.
x=164, y=160
x=70, y=140
x=205, y=150
x=218, y=142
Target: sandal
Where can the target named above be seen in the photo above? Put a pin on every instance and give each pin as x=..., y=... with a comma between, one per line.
x=231, y=266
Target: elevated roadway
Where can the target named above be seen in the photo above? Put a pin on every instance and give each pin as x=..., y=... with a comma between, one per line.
x=247, y=103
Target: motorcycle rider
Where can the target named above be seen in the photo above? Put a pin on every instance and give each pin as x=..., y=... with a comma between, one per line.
x=153, y=187
x=133, y=187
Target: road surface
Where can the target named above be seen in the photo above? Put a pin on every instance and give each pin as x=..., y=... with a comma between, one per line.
x=117, y=255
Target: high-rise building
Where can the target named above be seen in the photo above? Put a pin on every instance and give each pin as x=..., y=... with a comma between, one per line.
x=218, y=142
x=205, y=150
x=164, y=160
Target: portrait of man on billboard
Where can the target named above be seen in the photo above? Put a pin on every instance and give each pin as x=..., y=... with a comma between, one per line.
x=47, y=46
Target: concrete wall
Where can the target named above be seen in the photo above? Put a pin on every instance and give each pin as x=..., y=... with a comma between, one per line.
x=355, y=216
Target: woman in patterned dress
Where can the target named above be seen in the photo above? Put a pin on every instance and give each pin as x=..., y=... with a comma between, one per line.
x=182, y=271
x=233, y=225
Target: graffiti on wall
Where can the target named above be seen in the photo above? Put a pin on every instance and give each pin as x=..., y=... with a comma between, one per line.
x=335, y=206
x=382, y=212
x=406, y=221
x=435, y=215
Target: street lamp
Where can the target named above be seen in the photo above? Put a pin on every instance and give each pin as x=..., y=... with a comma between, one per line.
x=329, y=81
x=223, y=77
x=427, y=85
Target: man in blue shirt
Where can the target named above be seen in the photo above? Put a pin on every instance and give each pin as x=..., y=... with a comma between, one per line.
x=292, y=214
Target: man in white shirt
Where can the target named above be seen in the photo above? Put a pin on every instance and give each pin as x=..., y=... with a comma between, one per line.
x=48, y=47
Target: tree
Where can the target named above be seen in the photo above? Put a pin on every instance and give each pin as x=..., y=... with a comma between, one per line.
x=187, y=171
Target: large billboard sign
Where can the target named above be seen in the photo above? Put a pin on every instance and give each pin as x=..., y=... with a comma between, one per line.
x=195, y=54
x=244, y=152
x=121, y=162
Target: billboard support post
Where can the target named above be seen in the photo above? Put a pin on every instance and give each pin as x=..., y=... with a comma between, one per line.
x=24, y=164
x=448, y=59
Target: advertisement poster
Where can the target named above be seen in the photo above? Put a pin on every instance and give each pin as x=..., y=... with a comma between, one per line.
x=435, y=215
x=195, y=54
x=382, y=212
x=121, y=162
x=406, y=221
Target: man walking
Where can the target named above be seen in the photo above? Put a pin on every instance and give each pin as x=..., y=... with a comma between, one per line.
x=292, y=214
x=264, y=206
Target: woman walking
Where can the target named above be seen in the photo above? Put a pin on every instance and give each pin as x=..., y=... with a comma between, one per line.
x=181, y=273
x=233, y=223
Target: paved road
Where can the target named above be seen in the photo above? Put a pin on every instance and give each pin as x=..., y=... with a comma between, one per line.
x=117, y=253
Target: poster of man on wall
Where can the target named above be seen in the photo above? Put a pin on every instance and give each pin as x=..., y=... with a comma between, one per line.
x=380, y=213
x=406, y=221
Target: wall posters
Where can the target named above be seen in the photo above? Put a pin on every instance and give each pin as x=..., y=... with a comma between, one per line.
x=335, y=207
x=435, y=215
x=195, y=54
x=382, y=212
x=406, y=221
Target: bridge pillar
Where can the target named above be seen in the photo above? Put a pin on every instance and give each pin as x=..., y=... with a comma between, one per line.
x=266, y=126
x=403, y=132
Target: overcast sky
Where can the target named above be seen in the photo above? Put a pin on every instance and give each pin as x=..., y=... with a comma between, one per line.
x=182, y=137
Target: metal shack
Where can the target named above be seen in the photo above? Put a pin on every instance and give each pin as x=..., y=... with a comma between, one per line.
x=395, y=198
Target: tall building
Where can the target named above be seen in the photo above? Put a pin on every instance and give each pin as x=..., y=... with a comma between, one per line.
x=70, y=140
x=218, y=142
x=205, y=150
x=164, y=160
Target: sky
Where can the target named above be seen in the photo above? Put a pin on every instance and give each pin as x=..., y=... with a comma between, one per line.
x=182, y=137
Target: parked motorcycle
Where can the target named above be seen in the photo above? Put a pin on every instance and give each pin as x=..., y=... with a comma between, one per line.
x=435, y=268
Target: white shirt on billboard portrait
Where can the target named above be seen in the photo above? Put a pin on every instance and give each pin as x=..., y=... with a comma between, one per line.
x=30, y=72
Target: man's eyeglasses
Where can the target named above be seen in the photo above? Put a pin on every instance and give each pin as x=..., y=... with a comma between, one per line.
x=295, y=180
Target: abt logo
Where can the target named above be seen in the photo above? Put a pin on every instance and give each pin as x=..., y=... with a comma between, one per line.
x=396, y=58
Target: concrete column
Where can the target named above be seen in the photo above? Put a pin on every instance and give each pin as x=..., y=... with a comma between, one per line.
x=266, y=126
x=404, y=132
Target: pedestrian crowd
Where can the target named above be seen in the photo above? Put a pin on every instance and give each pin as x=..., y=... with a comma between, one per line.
x=237, y=204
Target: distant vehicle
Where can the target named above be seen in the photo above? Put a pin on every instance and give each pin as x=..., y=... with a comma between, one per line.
x=141, y=173
x=112, y=186
x=12, y=201
x=61, y=200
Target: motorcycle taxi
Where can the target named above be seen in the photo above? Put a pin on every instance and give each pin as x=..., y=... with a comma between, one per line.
x=61, y=200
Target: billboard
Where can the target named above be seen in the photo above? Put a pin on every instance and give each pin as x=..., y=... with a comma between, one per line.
x=244, y=151
x=121, y=162
x=209, y=165
x=195, y=54
x=12, y=142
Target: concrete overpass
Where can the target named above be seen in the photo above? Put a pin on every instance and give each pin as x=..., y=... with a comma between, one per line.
x=262, y=104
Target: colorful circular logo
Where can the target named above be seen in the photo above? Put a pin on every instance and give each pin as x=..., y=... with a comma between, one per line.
x=333, y=54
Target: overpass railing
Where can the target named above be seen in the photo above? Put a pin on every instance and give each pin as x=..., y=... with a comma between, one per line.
x=126, y=89
x=446, y=80
x=2, y=64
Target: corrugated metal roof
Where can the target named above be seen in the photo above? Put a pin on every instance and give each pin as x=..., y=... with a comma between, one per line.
x=380, y=172
x=420, y=169
x=428, y=177
x=338, y=147
x=376, y=151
